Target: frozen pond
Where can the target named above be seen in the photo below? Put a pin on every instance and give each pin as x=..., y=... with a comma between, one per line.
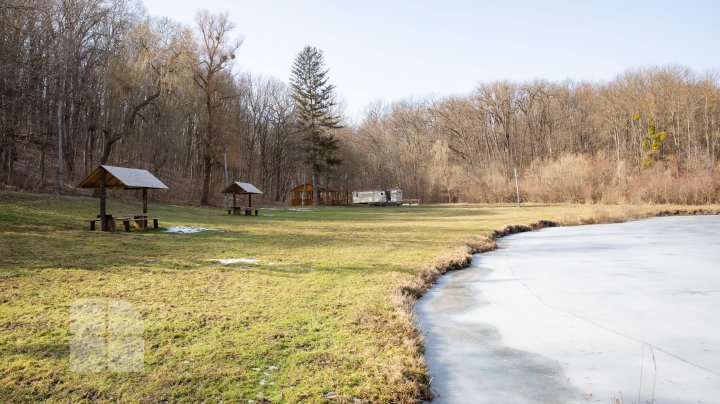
x=582, y=314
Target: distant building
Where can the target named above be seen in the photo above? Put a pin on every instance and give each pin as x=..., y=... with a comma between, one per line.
x=302, y=195
x=392, y=197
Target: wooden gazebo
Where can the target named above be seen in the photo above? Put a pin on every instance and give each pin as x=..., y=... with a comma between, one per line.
x=242, y=188
x=302, y=195
x=108, y=177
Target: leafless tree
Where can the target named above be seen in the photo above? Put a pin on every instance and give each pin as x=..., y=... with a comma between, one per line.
x=217, y=51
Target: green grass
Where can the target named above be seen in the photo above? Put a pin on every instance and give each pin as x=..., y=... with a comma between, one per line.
x=319, y=306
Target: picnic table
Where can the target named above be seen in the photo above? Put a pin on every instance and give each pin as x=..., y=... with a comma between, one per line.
x=238, y=210
x=138, y=221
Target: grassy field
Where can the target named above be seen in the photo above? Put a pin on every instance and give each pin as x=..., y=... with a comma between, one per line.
x=316, y=318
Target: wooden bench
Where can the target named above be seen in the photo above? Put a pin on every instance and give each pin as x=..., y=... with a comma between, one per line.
x=92, y=223
x=125, y=221
x=141, y=221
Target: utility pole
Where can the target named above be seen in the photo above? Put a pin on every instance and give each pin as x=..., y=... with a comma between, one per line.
x=227, y=182
x=517, y=187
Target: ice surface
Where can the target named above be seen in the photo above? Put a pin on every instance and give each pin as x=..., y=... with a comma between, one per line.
x=585, y=313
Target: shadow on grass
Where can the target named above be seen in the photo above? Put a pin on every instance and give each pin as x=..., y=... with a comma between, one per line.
x=38, y=350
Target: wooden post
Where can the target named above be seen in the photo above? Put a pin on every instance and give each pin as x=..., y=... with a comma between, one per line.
x=145, y=207
x=144, y=201
x=517, y=188
x=103, y=213
x=226, y=181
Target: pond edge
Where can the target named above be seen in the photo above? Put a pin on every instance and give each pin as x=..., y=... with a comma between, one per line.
x=406, y=295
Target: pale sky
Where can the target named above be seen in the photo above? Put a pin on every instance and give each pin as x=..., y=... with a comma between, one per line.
x=391, y=50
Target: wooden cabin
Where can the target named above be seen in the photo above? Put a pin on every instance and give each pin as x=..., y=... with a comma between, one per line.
x=302, y=195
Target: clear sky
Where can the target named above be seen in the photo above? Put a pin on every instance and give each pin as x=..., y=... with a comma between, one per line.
x=394, y=49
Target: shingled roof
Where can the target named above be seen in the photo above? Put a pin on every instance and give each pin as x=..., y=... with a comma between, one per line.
x=122, y=178
x=238, y=187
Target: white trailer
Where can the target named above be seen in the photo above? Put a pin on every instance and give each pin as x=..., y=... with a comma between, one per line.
x=396, y=196
x=368, y=197
x=392, y=197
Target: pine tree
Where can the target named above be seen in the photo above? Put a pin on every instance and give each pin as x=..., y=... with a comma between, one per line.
x=317, y=120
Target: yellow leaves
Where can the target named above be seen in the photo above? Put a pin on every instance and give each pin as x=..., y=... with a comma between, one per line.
x=651, y=143
x=636, y=117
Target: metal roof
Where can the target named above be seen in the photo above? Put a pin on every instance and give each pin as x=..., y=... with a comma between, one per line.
x=377, y=190
x=122, y=178
x=238, y=187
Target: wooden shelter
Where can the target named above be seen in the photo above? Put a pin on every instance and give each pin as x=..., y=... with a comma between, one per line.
x=242, y=188
x=302, y=195
x=108, y=177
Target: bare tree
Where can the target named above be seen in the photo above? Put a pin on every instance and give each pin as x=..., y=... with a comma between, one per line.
x=217, y=51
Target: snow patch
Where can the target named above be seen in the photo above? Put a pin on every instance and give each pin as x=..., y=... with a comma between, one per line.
x=185, y=229
x=229, y=261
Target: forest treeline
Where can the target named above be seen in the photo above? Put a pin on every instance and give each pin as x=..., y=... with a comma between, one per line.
x=88, y=82
x=649, y=135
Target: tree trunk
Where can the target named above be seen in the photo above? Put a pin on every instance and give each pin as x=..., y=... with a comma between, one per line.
x=42, y=168
x=107, y=149
x=316, y=200
x=207, y=166
x=61, y=148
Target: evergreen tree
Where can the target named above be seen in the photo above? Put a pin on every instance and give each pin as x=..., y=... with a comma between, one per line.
x=314, y=103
